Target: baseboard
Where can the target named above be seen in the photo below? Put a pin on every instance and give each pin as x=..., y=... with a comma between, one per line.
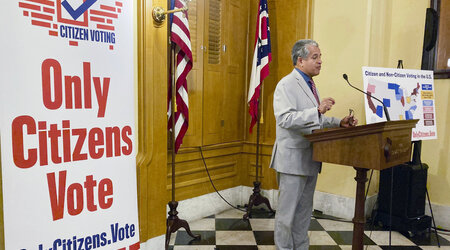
x=441, y=215
x=330, y=204
x=340, y=206
x=154, y=243
x=208, y=204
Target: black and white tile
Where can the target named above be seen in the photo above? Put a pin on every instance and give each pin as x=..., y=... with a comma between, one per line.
x=228, y=231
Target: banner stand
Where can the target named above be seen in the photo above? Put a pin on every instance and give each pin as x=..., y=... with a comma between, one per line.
x=68, y=134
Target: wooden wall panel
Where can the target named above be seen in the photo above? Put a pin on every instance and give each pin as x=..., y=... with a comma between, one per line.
x=443, y=43
x=228, y=148
x=234, y=85
x=224, y=79
x=191, y=179
x=152, y=121
x=213, y=71
x=212, y=105
x=266, y=175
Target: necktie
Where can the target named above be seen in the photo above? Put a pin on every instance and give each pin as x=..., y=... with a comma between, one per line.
x=314, y=90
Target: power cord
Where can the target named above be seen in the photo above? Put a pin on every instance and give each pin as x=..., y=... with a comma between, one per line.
x=429, y=203
x=212, y=183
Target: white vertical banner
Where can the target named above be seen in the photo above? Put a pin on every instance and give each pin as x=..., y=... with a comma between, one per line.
x=407, y=94
x=67, y=125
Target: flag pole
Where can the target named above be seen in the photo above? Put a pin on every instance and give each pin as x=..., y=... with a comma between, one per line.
x=174, y=223
x=173, y=111
x=261, y=59
x=258, y=121
x=257, y=198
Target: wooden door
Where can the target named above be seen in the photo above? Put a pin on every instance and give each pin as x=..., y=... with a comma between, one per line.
x=196, y=15
x=216, y=83
x=234, y=86
x=213, y=72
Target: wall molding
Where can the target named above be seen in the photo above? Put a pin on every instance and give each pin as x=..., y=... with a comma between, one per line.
x=201, y=180
x=151, y=108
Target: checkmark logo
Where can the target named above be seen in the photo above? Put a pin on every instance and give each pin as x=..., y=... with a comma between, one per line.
x=80, y=10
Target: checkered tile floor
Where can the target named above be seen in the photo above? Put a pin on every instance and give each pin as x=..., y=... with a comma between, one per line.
x=228, y=230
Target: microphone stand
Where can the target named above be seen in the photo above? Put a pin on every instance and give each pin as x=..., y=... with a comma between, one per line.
x=388, y=118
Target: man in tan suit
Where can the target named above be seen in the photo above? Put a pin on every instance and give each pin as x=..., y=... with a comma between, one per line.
x=298, y=111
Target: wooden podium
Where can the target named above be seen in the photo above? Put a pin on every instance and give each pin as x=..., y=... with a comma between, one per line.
x=374, y=146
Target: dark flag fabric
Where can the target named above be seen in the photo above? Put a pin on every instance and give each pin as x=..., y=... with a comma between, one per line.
x=261, y=57
x=181, y=44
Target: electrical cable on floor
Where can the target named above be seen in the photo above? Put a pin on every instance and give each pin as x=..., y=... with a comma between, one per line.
x=212, y=183
x=441, y=231
x=368, y=185
x=372, y=219
x=332, y=219
x=446, y=231
x=390, y=207
x=376, y=202
x=429, y=203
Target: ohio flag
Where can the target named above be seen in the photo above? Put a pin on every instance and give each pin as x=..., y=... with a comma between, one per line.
x=181, y=42
x=261, y=57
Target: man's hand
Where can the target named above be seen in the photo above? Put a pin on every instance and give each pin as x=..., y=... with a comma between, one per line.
x=326, y=105
x=349, y=121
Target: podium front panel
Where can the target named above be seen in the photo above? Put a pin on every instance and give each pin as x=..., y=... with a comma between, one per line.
x=375, y=146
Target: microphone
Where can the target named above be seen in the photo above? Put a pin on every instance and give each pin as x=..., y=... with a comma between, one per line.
x=384, y=107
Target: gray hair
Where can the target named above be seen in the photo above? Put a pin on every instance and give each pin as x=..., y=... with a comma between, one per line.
x=300, y=49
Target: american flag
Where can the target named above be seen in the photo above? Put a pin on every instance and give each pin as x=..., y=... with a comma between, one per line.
x=261, y=58
x=181, y=44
